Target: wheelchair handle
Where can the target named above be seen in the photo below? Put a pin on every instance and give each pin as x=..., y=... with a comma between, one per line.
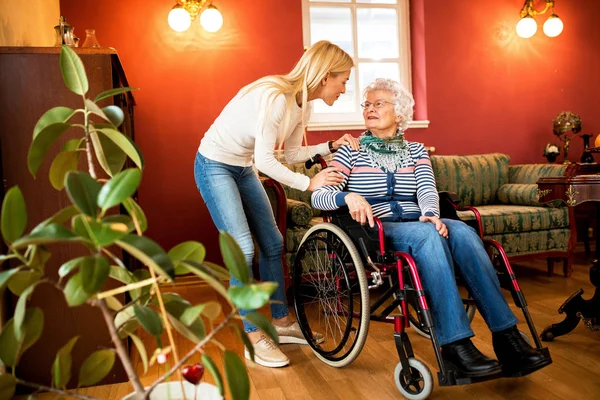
x=317, y=159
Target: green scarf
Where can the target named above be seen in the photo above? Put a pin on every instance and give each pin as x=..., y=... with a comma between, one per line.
x=389, y=154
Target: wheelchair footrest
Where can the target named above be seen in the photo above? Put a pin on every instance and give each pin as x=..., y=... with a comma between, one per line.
x=453, y=378
x=547, y=361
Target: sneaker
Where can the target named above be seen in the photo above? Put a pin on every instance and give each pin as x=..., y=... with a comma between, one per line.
x=267, y=354
x=293, y=334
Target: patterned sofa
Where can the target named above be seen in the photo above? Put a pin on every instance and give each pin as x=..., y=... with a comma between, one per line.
x=505, y=196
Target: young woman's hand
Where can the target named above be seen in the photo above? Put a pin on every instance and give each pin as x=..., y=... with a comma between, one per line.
x=360, y=209
x=439, y=225
x=328, y=176
x=347, y=139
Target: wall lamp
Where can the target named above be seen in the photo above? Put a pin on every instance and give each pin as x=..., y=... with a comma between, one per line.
x=527, y=26
x=185, y=11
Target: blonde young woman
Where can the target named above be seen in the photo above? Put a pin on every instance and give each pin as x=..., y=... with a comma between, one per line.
x=269, y=112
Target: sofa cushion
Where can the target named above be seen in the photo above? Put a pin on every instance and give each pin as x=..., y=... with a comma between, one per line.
x=294, y=234
x=475, y=178
x=519, y=194
x=503, y=219
x=298, y=212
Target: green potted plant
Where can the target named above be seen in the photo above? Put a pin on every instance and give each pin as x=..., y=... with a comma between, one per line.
x=90, y=221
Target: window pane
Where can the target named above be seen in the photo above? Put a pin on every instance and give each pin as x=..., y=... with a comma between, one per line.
x=369, y=71
x=346, y=102
x=333, y=24
x=340, y=1
x=376, y=1
x=377, y=33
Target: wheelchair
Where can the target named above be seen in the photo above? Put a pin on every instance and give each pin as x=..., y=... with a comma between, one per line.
x=337, y=264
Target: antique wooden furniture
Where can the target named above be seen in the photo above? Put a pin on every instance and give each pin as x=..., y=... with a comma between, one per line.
x=575, y=190
x=31, y=83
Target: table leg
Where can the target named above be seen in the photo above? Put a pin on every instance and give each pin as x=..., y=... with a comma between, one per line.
x=575, y=306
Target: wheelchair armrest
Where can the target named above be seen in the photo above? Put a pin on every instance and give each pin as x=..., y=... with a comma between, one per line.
x=450, y=204
x=371, y=238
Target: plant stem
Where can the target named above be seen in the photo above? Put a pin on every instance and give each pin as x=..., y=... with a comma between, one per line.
x=121, y=351
x=88, y=147
x=196, y=348
x=53, y=390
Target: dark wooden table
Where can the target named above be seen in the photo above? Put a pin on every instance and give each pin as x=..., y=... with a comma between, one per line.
x=575, y=190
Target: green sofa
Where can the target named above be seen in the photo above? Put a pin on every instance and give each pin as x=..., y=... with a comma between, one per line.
x=505, y=195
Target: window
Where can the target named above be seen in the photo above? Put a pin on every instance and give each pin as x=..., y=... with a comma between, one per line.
x=376, y=34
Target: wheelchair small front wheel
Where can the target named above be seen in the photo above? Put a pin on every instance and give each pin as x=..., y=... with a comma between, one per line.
x=416, y=383
x=331, y=295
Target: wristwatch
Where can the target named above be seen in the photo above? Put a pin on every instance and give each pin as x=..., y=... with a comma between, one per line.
x=330, y=145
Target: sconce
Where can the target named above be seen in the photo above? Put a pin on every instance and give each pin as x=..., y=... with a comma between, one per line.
x=527, y=26
x=185, y=11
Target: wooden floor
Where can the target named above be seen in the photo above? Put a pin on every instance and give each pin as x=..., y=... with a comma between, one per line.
x=574, y=374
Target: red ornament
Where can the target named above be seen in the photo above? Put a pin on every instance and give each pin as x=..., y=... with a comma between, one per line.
x=193, y=373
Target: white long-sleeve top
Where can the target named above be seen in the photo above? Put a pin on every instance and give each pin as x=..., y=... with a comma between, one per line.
x=243, y=134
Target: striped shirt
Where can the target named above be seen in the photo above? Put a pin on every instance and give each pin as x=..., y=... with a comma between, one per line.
x=405, y=194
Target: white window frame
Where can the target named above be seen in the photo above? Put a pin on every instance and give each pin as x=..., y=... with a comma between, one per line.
x=354, y=121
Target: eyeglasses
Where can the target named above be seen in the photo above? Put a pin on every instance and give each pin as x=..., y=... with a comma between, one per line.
x=376, y=104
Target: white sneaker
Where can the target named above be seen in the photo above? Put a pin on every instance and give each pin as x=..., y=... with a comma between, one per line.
x=293, y=334
x=267, y=354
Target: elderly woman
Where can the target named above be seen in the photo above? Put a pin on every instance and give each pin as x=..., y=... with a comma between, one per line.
x=392, y=179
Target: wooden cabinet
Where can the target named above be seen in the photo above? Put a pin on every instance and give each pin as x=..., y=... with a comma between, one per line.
x=30, y=84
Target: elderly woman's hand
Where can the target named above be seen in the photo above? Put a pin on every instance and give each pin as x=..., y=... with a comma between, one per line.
x=439, y=225
x=360, y=209
x=328, y=176
x=347, y=139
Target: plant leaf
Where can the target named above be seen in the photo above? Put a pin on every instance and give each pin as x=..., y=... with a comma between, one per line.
x=39, y=257
x=149, y=319
x=233, y=257
x=113, y=303
x=94, y=109
x=141, y=349
x=6, y=275
x=109, y=155
x=42, y=143
x=75, y=294
x=214, y=371
x=237, y=376
x=94, y=272
x=189, y=250
x=59, y=218
x=114, y=114
x=83, y=191
x=113, y=92
x=261, y=322
x=136, y=213
x=10, y=348
x=245, y=339
x=215, y=283
x=252, y=297
x=73, y=144
x=119, y=188
x=69, y=266
x=64, y=163
x=52, y=116
x=126, y=323
x=96, y=367
x=61, y=369
x=72, y=71
x=103, y=235
x=149, y=253
x=124, y=144
x=20, y=309
x=22, y=280
x=52, y=233
x=8, y=385
x=14, y=215
x=192, y=336
x=120, y=220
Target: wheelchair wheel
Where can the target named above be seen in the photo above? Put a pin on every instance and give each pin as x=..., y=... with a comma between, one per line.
x=331, y=294
x=415, y=384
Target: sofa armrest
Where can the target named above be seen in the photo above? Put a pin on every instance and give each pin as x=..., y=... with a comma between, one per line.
x=299, y=213
x=530, y=173
x=278, y=201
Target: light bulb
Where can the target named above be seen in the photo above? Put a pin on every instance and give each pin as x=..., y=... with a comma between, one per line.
x=211, y=19
x=526, y=27
x=179, y=19
x=553, y=26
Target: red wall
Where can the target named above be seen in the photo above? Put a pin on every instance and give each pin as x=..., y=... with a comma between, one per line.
x=487, y=89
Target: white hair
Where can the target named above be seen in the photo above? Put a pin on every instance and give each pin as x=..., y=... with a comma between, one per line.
x=403, y=100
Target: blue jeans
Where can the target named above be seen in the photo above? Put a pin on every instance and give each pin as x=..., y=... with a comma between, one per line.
x=238, y=204
x=435, y=257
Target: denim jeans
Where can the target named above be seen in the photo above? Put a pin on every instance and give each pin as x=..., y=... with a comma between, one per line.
x=436, y=257
x=238, y=204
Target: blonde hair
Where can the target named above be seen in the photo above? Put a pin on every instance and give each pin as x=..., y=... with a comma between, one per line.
x=403, y=100
x=317, y=61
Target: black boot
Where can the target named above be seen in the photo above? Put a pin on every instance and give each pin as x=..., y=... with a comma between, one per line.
x=516, y=355
x=462, y=356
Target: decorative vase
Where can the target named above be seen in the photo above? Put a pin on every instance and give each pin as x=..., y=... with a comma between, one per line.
x=90, y=38
x=587, y=156
x=551, y=158
x=172, y=391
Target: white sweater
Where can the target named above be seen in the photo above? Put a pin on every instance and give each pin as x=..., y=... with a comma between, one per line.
x=242, y=132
